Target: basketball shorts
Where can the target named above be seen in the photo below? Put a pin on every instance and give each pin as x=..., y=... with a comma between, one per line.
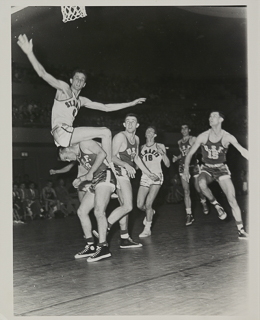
x=105, y=177
x=147, y=182
x=62, y=135
x=194, y=170
x=216, y=172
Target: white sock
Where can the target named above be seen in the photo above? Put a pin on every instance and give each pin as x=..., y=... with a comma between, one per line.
x=188, y=210
x=124, y=236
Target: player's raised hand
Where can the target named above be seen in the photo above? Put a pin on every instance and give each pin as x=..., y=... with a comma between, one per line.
x=139, y=101
x=25, y=44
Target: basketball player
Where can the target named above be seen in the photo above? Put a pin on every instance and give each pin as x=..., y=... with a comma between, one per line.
x=152, y=154
x=98, y=183
x=68, y=102
x=184, y=145
x=125, y=149
x=214, y=146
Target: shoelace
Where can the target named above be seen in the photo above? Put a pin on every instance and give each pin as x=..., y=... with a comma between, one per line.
x=97, y=252
x=84, y=250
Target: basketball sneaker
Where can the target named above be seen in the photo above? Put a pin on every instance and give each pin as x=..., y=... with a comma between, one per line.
x=242, y=234
x=221, y=212
x=146, y=233
x=129, y=243
x=101, y=253
x=205, y=207
x=89, y=250
x=189, y=219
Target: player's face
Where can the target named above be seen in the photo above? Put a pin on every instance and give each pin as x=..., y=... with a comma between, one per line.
x=68, y=155
x=78, y=81
x=214, y=118
x=185, y=130
x=131, y=124
x=150, y=133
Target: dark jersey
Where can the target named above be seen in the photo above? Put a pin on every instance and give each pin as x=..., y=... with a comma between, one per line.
x=87, y=160
x=214, y=152
x=184, y=149
x=129, y=153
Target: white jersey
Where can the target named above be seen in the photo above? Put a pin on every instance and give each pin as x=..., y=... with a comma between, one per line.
x=151, y=158
x=65, y=111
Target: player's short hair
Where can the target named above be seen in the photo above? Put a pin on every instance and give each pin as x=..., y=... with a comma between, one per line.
x=131, y=115
x=83, y=71
x=153, y=127
x=222, y=115
x=186, y=124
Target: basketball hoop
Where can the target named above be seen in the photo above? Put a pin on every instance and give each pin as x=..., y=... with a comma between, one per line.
x=71, y=13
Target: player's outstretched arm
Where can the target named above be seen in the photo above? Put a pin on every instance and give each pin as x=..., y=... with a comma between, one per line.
x=244, y=152
x=111, y=106
x=64, y=169
x=27, y=47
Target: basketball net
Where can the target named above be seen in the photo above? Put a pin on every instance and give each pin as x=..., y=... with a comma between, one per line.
x=71, y=13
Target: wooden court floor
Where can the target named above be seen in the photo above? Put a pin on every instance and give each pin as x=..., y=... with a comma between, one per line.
x=197, y=270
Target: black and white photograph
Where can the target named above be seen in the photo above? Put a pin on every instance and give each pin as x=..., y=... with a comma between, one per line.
x=129, y=189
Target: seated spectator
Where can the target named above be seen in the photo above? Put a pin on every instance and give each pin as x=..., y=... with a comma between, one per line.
x=49, y=199
x=176, y=193
x=65, y=200
x=24, y=205
x=17, y=205
x=33, y=201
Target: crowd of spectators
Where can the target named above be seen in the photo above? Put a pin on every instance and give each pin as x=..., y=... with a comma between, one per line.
x=170, y=101
x=51, y=201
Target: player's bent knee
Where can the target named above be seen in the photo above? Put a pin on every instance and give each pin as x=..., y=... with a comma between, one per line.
x=80, y=212
x=128, y=208
x=106, y=133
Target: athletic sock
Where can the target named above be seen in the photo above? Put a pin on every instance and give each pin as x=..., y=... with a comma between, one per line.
x=240, y=225
x=188, y=210
x=90, y=240
x=148, y=225
x=101, y=244
x=124, y=234
x=214, y=202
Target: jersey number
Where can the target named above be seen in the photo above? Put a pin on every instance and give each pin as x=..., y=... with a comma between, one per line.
x=148, y=157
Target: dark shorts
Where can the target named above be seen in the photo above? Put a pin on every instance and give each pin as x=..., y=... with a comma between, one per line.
x=216, y=172
x=194, y=170
x=105, y=177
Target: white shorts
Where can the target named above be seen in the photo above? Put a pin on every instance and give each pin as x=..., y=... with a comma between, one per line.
x=147, y=182
x=62, y=135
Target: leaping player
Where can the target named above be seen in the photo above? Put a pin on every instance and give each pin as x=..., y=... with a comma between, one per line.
x=67, y=103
